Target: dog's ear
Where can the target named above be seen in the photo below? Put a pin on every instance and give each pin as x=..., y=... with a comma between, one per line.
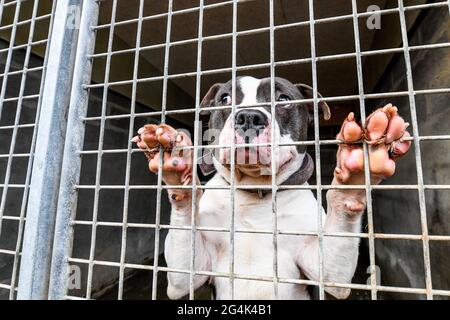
x=208, y=99
x=307, y=93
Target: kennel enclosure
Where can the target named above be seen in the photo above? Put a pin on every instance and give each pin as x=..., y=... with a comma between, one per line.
x=80, y=77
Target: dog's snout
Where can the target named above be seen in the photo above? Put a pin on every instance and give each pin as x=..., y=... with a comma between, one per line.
x=250, y=119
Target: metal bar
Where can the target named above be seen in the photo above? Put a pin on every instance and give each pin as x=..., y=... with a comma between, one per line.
x=161, y=158
x=294, y=143
x=99, y=157
x=277, y=63
x=8, y=252
x=317, y=150
x=302, y=23
x=5, y=286
x=71, y=167
x=361, y=97
x=267, y=29
x=269, y=279
x=14, y=218
x=23, y=71
x=417, y=153
x=123, y=248
x=32, y=148
x=29, y=97
x=367, y=179
x=303, y=101
x=197, y=126
x=233, y=150
x=28, y=125
x=2, y=5
x=23, y=22
x=12, y=39
x=11, y=3
x=273, y=153
x=17, y=155
x=13, y=186
x=281, y=62
x=267, y=231
x=21, y=46
x=41, y=207
x=16, y=121
x=265, y=187
x=163, y=15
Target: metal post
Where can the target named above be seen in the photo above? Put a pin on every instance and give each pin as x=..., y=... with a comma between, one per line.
x=417, y=153
x=196, y=147
x=312, y=36
x=70, y=185
x=362, y=110
x=71, y=167
x=159, y=179
x=42, y=202
x=273, y=151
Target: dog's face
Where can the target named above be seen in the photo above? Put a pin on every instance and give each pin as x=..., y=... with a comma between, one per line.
x=255, y=124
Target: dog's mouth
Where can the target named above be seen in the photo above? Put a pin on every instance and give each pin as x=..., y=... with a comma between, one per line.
x=253, y=156
x=253, y=151
x=258, y=168
x=256, y=158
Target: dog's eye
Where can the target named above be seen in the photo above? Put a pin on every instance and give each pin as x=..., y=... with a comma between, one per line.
x=225, y=99
x=283, y=97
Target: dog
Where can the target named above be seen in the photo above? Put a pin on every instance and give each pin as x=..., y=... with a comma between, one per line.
x=257, y=164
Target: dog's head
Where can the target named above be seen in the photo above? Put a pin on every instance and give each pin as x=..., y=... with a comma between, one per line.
x=255, y=125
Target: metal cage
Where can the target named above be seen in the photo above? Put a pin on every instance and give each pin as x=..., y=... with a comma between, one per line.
x=74, y=111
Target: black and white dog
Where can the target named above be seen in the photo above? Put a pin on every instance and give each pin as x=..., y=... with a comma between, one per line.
x=298, y=256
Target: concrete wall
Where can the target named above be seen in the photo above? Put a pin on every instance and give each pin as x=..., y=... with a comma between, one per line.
x=142, y=204
x=9, y=228
x=401, y=262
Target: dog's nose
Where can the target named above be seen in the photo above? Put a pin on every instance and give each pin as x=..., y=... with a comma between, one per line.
x=250, y=119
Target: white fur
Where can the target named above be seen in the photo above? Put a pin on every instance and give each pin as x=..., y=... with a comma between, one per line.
x=253, y=253
x=249, y=87
x=297, y=210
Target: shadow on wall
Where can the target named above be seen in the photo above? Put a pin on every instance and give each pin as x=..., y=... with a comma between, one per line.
x=142, y=203
x=401, y=262
x=396, y=211
x=13, y=202
x=140, y=242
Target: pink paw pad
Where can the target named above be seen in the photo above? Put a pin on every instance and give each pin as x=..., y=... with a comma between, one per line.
x=351, y=131
x=386, y=135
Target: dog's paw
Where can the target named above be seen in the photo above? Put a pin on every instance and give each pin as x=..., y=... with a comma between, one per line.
x=177, y=160
x=385, y=135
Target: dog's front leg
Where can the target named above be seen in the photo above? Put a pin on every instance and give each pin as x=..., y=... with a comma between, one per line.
x=385, y=133
x=176, y=171
x=178, y=251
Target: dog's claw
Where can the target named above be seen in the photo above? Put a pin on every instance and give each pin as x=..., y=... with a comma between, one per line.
x=385, y=135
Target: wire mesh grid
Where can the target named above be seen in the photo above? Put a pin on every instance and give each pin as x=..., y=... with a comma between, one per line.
x=99, y=152
x=24, y=30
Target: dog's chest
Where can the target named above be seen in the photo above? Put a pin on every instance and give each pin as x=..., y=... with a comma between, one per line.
x=294, y=209
x=296, y=212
